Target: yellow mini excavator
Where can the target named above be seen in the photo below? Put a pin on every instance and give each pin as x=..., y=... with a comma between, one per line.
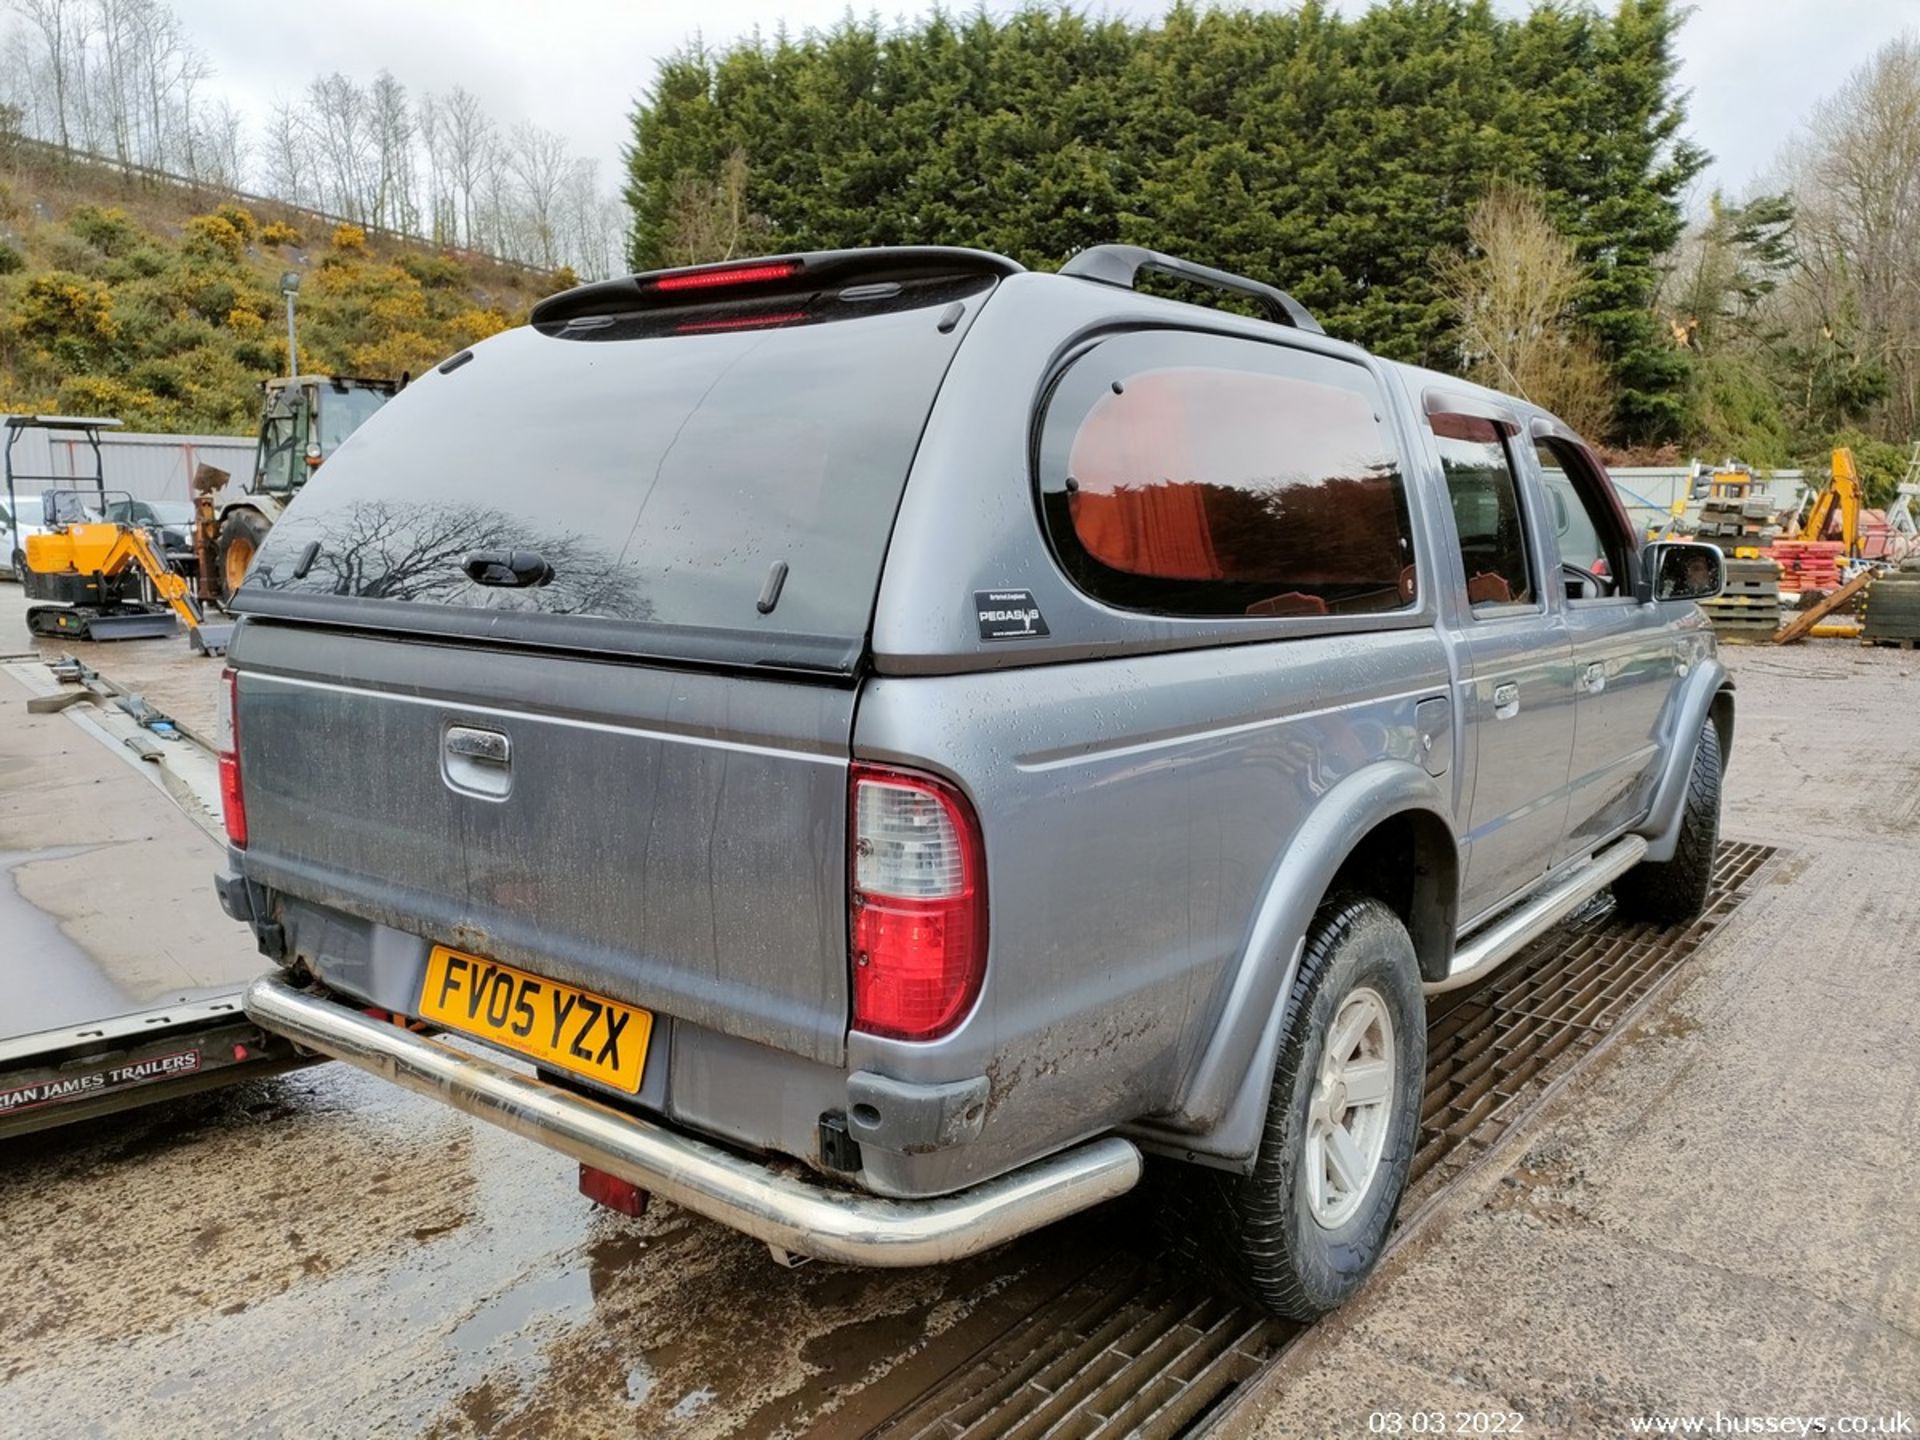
x=97, y=578
x=1836, y=510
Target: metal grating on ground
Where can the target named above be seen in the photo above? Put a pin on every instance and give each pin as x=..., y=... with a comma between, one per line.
x=1129, y=1350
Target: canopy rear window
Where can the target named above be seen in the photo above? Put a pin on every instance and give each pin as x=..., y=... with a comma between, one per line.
x=710, y=481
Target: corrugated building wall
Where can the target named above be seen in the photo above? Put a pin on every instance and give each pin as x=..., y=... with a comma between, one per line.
x=147, y=467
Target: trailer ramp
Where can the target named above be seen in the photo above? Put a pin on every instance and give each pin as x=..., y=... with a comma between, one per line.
x=120, y=979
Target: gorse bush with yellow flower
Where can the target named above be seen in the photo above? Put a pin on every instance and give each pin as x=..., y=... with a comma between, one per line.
x=170, y=321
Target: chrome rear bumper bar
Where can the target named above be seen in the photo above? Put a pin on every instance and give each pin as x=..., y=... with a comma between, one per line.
x=790, y=1214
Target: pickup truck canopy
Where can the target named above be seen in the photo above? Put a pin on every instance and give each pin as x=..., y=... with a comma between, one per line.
x=710, y=480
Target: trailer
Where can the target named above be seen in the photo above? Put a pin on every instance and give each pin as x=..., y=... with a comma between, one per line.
x=122, y=982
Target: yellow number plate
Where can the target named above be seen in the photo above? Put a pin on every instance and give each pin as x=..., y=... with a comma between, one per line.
x=556, y=1024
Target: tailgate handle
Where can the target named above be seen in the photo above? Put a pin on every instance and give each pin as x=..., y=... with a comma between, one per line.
x=477, y=762
x=515, y=569
x=489, y=746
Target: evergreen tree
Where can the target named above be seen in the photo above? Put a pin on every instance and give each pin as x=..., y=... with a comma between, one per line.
x=1333, y=156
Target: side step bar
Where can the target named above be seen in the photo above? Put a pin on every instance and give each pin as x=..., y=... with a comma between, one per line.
x=1500, y=939
x=791, y=1214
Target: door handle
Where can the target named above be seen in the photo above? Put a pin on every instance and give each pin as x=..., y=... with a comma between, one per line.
x=1594, y=677
x=1506, y=700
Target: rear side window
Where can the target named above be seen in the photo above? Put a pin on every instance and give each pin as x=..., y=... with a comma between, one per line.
x=1191, y=474
x=1486, y=511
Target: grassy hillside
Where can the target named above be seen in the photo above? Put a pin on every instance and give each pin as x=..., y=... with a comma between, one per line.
x=163, y=308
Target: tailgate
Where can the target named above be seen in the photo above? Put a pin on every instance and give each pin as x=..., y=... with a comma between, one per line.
x=672, y=838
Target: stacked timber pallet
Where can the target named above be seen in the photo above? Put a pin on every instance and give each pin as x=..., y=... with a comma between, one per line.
x=1749, y=608
x=1808, y=564
x=1893, y=609
x=1734, y=521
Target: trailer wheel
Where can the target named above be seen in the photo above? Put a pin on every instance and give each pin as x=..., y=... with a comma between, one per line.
x=241, y=535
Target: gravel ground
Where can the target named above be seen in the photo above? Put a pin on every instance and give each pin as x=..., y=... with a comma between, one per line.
x=1719, y=1216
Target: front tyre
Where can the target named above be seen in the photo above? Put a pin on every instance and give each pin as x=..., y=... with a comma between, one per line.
x=241, y=535
x=1675, y=890
x=1301, y=1233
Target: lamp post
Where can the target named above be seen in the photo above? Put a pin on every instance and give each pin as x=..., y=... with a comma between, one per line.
x=289, y=287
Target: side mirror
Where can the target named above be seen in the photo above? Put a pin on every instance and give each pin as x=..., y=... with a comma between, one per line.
x=1682, y=570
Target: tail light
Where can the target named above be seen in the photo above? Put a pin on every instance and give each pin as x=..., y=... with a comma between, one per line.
x=918, y=896
x=233, y=803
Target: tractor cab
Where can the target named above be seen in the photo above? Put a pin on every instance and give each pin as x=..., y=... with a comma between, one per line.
x=304, y=419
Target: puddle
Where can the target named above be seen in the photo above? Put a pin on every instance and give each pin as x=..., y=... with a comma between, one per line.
x=507, y=1329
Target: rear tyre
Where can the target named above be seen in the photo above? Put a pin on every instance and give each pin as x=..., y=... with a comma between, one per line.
x=241, y=535
x=1301, y=1233
x=1675, y=890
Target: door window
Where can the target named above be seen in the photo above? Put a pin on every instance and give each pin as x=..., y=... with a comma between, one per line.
x=1494, y=552
x=279, y=450
x=1588, y=524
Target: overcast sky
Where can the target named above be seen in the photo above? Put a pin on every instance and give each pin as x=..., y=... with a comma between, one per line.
x=1754, y=66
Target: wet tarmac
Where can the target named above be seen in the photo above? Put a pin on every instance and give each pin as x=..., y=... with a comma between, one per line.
x=51, y=980
x=321, y=1254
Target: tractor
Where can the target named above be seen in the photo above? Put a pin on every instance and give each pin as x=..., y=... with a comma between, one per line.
x=304, y=418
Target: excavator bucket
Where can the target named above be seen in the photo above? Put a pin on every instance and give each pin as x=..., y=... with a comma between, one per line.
x=206, y=639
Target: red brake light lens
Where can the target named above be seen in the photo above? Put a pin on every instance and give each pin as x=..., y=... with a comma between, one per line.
x=918, y=896
x=233, y=804
x=719, y=277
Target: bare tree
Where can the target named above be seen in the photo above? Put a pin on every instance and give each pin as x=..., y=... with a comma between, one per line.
x=709, y=219
x=285, y=155
x=55, y=20
x=336, y=119
x=433, y=141
x=1512, y=294
x=158, y=43
x=469, y=139
x=537, y=161
x=121, y=80
x=222, y=145
x=114, y=23
x=392, y=135
x=190, y=70
x=1856, y=183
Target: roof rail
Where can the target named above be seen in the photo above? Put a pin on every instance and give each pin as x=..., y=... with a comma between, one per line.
x=766, y=275
x=1121, y=265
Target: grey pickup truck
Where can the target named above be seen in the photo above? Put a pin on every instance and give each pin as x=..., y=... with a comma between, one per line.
x=875, y=746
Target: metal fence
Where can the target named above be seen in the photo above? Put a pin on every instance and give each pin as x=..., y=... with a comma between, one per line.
x=1649, y=493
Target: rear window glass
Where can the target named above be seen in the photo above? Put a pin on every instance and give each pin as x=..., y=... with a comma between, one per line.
x=1198, y=475
x=661, y=466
